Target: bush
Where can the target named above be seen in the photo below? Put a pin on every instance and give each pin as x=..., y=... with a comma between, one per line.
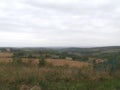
x=17, y=59
x=42, y=61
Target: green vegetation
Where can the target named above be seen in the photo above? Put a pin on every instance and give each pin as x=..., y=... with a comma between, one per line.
x=17, y=58
x=56, y=78
x=42, y=61
x=103, y=73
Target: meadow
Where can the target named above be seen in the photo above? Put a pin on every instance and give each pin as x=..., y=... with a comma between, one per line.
x=55, y=74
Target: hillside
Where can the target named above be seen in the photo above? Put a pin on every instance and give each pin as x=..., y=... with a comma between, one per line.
x=60, y=68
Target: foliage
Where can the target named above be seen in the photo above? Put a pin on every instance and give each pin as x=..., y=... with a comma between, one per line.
x=55, y=78
x=17, y=60
x=98, y=76
x=42, y=61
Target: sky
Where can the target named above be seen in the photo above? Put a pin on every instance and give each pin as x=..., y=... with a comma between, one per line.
x=59, y=23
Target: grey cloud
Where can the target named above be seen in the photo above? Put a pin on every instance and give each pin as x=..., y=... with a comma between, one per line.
x=63, y=23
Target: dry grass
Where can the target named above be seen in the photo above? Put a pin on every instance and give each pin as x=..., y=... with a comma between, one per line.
x=62, y=62
x=54, y=62
x=5, y=54
x=7, y=60
x=6, y=57
x=26, y=76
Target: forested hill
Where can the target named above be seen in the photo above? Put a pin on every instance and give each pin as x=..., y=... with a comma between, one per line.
x=93, y=50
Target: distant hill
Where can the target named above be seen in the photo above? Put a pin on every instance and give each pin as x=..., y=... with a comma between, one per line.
x=70, y=50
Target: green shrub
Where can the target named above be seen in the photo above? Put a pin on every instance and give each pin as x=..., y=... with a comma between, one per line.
x=42, y=61
x=17, y=59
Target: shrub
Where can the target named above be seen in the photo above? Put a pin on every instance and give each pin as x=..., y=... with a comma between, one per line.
x=42, y=61
x=17, y=60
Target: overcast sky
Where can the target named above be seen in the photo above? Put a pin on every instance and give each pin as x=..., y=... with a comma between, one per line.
x=76, y=23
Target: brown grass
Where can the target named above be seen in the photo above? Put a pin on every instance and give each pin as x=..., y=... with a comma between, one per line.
x=62, y=62
x=54, y=62
x=7, y=60
x=6, y=57
x=5, y=54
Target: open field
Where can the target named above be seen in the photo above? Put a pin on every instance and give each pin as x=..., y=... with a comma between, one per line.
x=54, y=62
x=26, y=77
x=5, y=54
x=23, y=70
x=62, y=62
x=6, y=57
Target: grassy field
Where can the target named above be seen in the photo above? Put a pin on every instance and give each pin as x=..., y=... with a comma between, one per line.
x=6, y=57
x=54, y=62
x=5, y=54
x=55, y=75
x=25, y=77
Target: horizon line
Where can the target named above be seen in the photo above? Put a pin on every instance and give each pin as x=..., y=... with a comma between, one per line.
x=57, y=46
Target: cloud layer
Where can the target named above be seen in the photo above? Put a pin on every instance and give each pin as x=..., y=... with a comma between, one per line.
x=59, y=23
